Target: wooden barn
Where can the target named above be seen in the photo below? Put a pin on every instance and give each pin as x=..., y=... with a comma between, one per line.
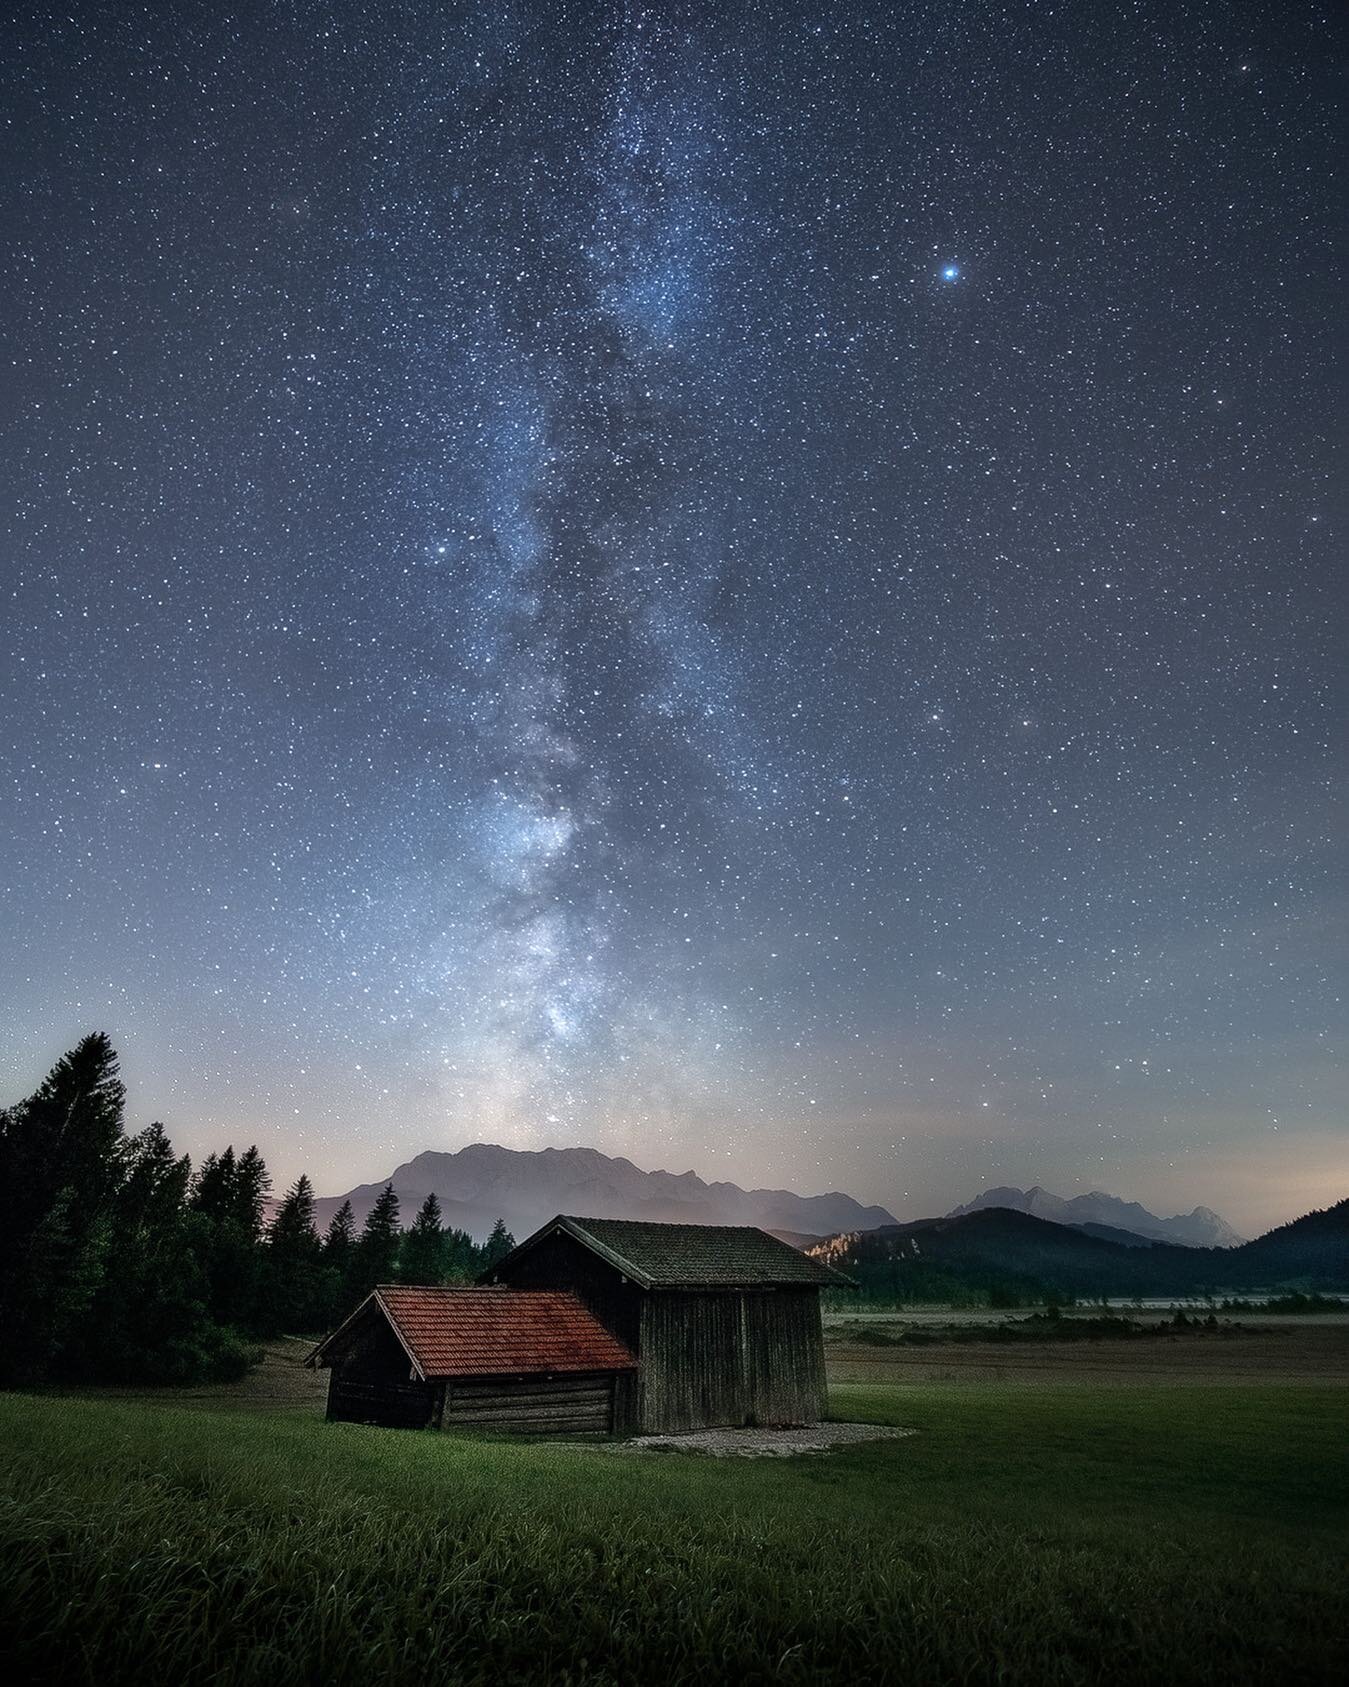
x=533, y=1362
x=724, y=1322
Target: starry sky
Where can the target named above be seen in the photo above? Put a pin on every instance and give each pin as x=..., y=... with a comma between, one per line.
x=751, y=585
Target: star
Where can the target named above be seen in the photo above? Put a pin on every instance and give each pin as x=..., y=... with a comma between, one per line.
x=531, y=510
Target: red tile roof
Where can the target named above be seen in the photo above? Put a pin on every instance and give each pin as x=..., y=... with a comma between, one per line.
x=500, y=1332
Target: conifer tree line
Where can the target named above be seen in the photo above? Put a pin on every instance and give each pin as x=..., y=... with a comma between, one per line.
x=119, y=1262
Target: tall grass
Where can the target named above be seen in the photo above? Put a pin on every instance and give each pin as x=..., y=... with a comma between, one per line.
x=1056, y=1537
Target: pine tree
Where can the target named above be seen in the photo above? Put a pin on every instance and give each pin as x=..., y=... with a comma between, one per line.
x=67, y=1263
x=463, y=1257
x=338, y=1290
x=227, y=1220
x=59, y=1170
x=341, y=1237
x=214, y=1195
x=421, y=1258
x=155, y=1183
x=252, y=1186
x=150, y=1322
x=293, y=1227
x=114, y=1264
x=499, y=1244
x=377, y=1250
x=292, y=1284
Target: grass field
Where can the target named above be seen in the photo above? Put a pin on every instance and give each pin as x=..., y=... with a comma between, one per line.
x=1286, y=1352
x=1059, y=1534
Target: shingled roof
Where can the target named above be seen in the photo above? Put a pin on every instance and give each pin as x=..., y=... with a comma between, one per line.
x=706, y=1256
x=490, y=1332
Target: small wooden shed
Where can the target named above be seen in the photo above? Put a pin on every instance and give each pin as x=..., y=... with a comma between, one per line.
x=523, y=1362
x=724, y=1320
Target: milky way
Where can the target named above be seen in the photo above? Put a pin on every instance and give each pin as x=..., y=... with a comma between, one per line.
x=743, y=584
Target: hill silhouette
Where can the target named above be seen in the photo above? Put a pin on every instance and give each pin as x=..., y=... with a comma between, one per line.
x=526, y=1187
x=1014, y=1256
x=1202, y=1228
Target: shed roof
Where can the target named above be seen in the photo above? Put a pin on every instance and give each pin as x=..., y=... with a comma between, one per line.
x=709, y=1256
x=489, y=1332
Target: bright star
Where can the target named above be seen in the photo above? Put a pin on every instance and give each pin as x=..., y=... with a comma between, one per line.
x=951, y=272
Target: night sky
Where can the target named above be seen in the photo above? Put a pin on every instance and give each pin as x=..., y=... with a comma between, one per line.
x=748, y=585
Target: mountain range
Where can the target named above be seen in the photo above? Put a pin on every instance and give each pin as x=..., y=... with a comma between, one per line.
x=1098, y=1212
x=1015, y=1258
x=527, y=1187
x=1016, y=1243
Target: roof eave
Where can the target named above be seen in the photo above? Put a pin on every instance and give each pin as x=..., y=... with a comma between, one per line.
x=607, y=1254
x=829, y=1278
x=314, y=1358
x=763, y=1284
x=579, y=1234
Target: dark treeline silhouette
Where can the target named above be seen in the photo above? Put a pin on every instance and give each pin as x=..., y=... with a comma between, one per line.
x=118, y=1263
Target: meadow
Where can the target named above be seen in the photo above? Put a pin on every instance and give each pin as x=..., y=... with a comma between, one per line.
x=1057, y=1534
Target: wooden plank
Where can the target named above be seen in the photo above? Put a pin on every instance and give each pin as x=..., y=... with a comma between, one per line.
x=393, y=1405
x=574, y=1429
x=539, y=1390
x=381, y=1390
x=589, y=1418
x=530, y=1394
x=376, y=1402
x=507, y=1408
x=510, y=1409
x=378, y=1411
x=487, y=1414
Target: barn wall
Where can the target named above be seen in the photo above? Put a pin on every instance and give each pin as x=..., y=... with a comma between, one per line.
x=705, y=1357
x=371, y=1381
x=395, y=1405
x=371, y=1352
x=572, y=1405
x=690, y=1374
x=785, y=1356
x=729, y=1358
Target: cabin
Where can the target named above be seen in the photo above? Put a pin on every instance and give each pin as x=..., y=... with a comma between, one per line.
x=531, y=1362
x=722, y=1321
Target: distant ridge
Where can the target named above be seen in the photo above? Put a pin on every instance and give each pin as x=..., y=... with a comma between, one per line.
x=526, y=1187
x=999, y=1251
x=1202, y=1228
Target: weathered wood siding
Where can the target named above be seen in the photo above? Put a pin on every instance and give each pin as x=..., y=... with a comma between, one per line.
x=729, y=1358
x=371, y=1352
x=372, y=1381
x=394, y=1405
x=573, y=1405
x=705, y=1357
x=785, y=1356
